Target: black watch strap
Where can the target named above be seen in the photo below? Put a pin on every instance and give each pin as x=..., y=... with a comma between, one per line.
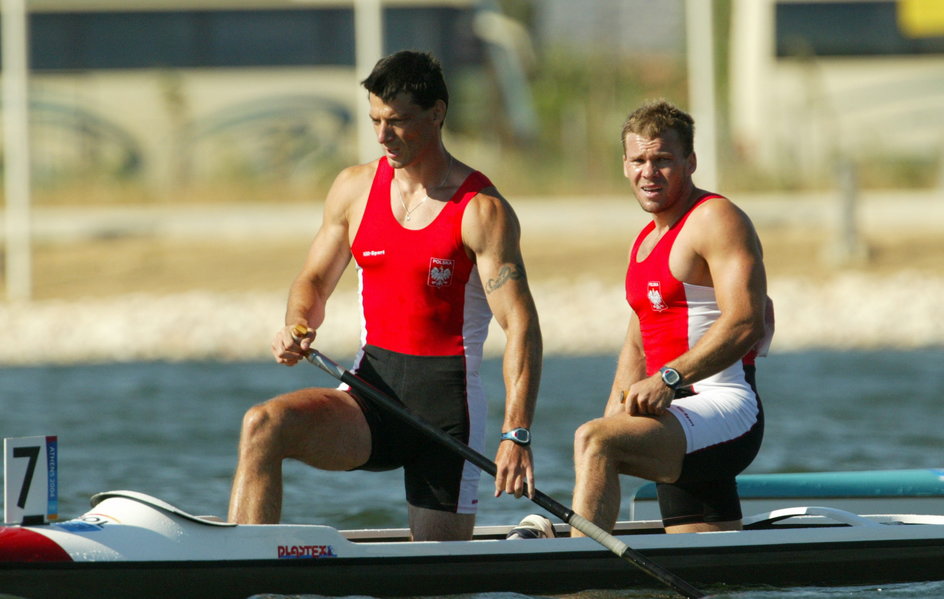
x=671, y=377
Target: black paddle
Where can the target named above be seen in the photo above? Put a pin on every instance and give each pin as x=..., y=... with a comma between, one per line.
x=577, y=521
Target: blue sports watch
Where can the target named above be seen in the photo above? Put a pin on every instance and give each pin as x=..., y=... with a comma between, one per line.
x=521, y=436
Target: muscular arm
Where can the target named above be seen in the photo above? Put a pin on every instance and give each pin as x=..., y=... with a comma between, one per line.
x=328, y=256
x=725, y=242
x=717, y=248
x=491, y=232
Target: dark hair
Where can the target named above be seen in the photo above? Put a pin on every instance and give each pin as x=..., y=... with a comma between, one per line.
x=416, y=73
x=654, y=117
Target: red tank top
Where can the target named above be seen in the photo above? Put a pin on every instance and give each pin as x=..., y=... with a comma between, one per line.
x=420, y=293
x=672, y=315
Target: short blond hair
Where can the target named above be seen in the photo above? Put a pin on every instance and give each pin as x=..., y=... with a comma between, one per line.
x=657, y=116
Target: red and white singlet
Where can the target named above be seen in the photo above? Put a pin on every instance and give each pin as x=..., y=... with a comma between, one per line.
x=673, y=316
x=420, y=293
x=421, y=297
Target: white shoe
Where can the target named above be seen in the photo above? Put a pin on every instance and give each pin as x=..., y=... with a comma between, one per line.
x=533, y=526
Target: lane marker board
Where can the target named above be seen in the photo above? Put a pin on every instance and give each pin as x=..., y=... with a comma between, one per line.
x=30, y=479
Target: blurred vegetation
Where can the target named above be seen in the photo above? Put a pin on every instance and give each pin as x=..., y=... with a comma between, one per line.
x=580, y=102
x=581, y=98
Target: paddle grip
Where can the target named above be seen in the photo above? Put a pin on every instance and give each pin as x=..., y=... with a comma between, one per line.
x=598, y=534
x=299, y=331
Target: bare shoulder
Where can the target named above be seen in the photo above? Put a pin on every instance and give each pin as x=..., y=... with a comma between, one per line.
x=717, y=238
x=489, y=208
x=719, y=216
x=721, y=207
x=352, y=181
x=490, y=225
x=349, y=192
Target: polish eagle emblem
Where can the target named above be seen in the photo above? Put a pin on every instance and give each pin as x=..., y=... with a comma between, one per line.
x=440, y=272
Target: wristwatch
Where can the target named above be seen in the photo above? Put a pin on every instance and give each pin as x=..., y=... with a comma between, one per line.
x=521, y=436
x=671, y=377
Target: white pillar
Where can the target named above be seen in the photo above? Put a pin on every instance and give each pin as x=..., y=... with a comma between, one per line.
x=699, y=25
x=16, y=147
x=368, y=49
x=750, y=65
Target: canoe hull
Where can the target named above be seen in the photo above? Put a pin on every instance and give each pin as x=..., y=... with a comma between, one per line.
x=837, y=564
x=135, y=546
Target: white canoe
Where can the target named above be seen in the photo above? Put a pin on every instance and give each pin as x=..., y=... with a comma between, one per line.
x=136, y=546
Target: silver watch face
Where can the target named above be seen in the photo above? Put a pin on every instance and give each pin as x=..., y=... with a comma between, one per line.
x=518, y=435
x=671, y=377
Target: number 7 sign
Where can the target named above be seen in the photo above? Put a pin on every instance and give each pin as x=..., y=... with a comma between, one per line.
x=30, y=486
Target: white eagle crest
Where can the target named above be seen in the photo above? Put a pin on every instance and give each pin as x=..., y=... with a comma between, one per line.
x=440, y=272
x=440, y=276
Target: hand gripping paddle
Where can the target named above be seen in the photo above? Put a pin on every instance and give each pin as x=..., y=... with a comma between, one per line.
x=395, y=408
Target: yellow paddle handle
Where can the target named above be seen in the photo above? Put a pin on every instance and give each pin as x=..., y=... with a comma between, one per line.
x=299, y=331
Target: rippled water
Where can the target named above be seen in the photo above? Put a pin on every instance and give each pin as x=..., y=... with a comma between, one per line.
x=170, y=430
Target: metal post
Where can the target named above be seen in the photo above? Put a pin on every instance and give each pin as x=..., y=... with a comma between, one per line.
x=16, y=150
x=848, y=248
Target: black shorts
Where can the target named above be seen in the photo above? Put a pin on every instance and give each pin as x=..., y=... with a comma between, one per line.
x=433, y=387
x=706, y=491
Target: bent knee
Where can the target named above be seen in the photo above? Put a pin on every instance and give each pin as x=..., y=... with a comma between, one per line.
x=271, y=430
x=589, y=437
x=261, y=421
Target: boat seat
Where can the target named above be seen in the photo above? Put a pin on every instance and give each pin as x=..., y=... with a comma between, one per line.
x=834, y=514
x=159, y=504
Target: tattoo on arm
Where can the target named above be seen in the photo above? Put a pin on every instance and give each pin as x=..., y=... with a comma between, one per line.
x=506, y=273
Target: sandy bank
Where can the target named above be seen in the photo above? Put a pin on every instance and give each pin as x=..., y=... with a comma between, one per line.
x=853, y=310
x=209, y=282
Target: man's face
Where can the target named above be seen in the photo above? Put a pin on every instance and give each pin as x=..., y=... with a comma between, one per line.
x=658, y=169
x=404, y=129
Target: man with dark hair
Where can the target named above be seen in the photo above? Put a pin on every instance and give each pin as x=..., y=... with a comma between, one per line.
x=437, y=254
x=414, y=73
x=683, y=409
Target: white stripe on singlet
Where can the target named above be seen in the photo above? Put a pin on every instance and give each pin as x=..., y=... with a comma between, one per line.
x=724, y=407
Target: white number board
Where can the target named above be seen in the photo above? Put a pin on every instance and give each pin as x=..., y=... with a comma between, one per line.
x=30, y=479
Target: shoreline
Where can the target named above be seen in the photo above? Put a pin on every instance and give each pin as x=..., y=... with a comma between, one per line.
x=584, y=317
x=209, y=282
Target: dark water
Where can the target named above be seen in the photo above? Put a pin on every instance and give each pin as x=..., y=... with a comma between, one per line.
x=170, y=430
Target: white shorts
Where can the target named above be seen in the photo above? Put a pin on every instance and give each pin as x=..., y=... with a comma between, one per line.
x=715, y=414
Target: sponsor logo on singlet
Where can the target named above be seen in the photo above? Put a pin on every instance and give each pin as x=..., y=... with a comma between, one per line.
x=369, y=253
x=654, y=293
x=440, y=272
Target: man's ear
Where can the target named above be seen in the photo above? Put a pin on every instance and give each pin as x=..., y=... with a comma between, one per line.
x=439, y=112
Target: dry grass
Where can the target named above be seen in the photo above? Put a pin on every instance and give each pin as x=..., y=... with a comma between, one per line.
x=108, y=267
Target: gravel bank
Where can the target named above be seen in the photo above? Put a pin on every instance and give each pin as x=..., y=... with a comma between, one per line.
x=854, y=310
x=188, y=303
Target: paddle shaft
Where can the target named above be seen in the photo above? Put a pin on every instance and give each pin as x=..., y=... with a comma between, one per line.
x=566, y=514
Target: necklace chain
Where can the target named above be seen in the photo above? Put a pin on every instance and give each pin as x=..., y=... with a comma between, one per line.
x=409, y=211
